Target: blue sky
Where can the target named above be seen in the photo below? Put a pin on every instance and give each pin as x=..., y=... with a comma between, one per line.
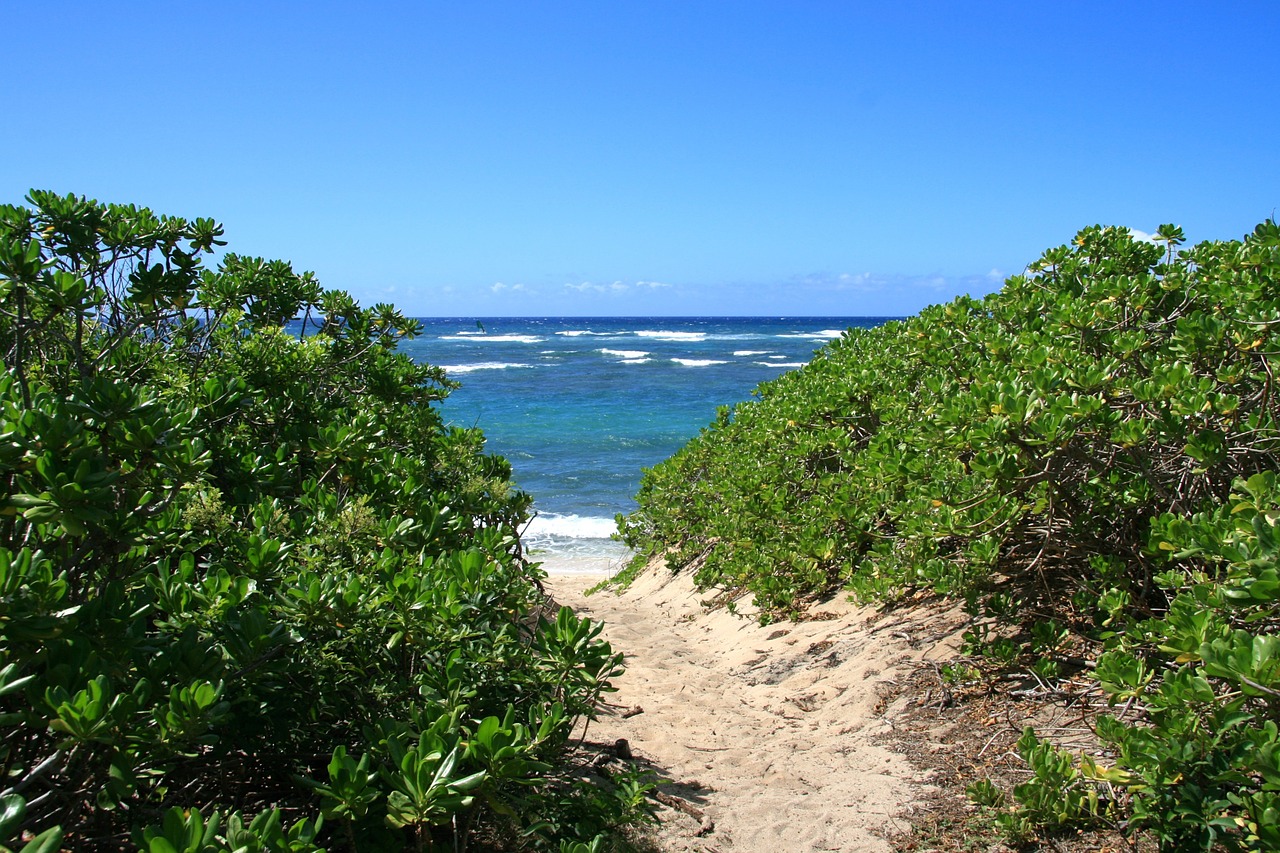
x=664, y=158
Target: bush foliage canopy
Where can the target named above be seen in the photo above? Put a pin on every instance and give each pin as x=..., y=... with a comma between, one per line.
x=254, y=594
x=1089, y=453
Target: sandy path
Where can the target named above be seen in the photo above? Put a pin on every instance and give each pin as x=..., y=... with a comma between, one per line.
x=770, y=730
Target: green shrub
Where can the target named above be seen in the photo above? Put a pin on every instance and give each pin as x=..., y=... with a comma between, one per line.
x=1034, y=430
x=1086, y=457
x=253, y=593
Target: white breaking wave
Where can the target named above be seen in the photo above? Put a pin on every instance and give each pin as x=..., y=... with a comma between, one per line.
x=673, y=336
x=484, y=365
x=781, y=363
x=697, y=362
x=497, y=339
x=569, y=544
x=743, y=353
x=625, y=353
x=824, y=335
x=552, y=524
x=635, y=361
x=575, y=333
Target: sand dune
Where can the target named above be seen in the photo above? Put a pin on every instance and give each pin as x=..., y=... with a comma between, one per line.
x=771, y=732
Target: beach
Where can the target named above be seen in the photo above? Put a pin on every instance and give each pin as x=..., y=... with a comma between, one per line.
x=776, y=737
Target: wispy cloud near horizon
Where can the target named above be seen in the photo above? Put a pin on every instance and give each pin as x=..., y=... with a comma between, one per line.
x=839, y=294
x=899, y=284
x=499, y=287
x=615, y=287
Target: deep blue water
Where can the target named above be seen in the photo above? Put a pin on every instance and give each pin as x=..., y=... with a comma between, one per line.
x=581, y=405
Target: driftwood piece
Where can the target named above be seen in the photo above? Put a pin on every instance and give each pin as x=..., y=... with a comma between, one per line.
x=706, y=825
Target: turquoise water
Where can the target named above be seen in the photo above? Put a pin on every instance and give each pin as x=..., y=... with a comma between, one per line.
x=581, y=405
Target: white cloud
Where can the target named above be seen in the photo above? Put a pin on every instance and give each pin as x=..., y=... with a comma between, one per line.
x=1142, y=235
x=499, y=287
x=891, y=290
x=615, y=287
x=863, y=282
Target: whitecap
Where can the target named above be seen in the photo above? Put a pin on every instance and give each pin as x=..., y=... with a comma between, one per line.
x=635, y=361
x=576, y=333
x=786, y=364
x=824, y=335
x=697, y=362
x=483, y=365
x=663, y=335
x=625, y=353
x=505, y=339
x=743, y=353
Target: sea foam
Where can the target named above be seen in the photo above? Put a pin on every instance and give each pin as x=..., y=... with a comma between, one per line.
x=497, y=339
x=550, y=524
x=483, y=365
x=698, y=362
x=574, y=544
x=824, y=335
x=663, y=335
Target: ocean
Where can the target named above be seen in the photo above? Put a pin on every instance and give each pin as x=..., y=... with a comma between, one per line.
x=580, y=406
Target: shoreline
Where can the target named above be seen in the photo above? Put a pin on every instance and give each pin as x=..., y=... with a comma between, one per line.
x=577, y=563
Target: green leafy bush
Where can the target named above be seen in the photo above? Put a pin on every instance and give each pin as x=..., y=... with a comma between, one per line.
x=1039, y=429
x=1087, y=459
x=253, y=593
